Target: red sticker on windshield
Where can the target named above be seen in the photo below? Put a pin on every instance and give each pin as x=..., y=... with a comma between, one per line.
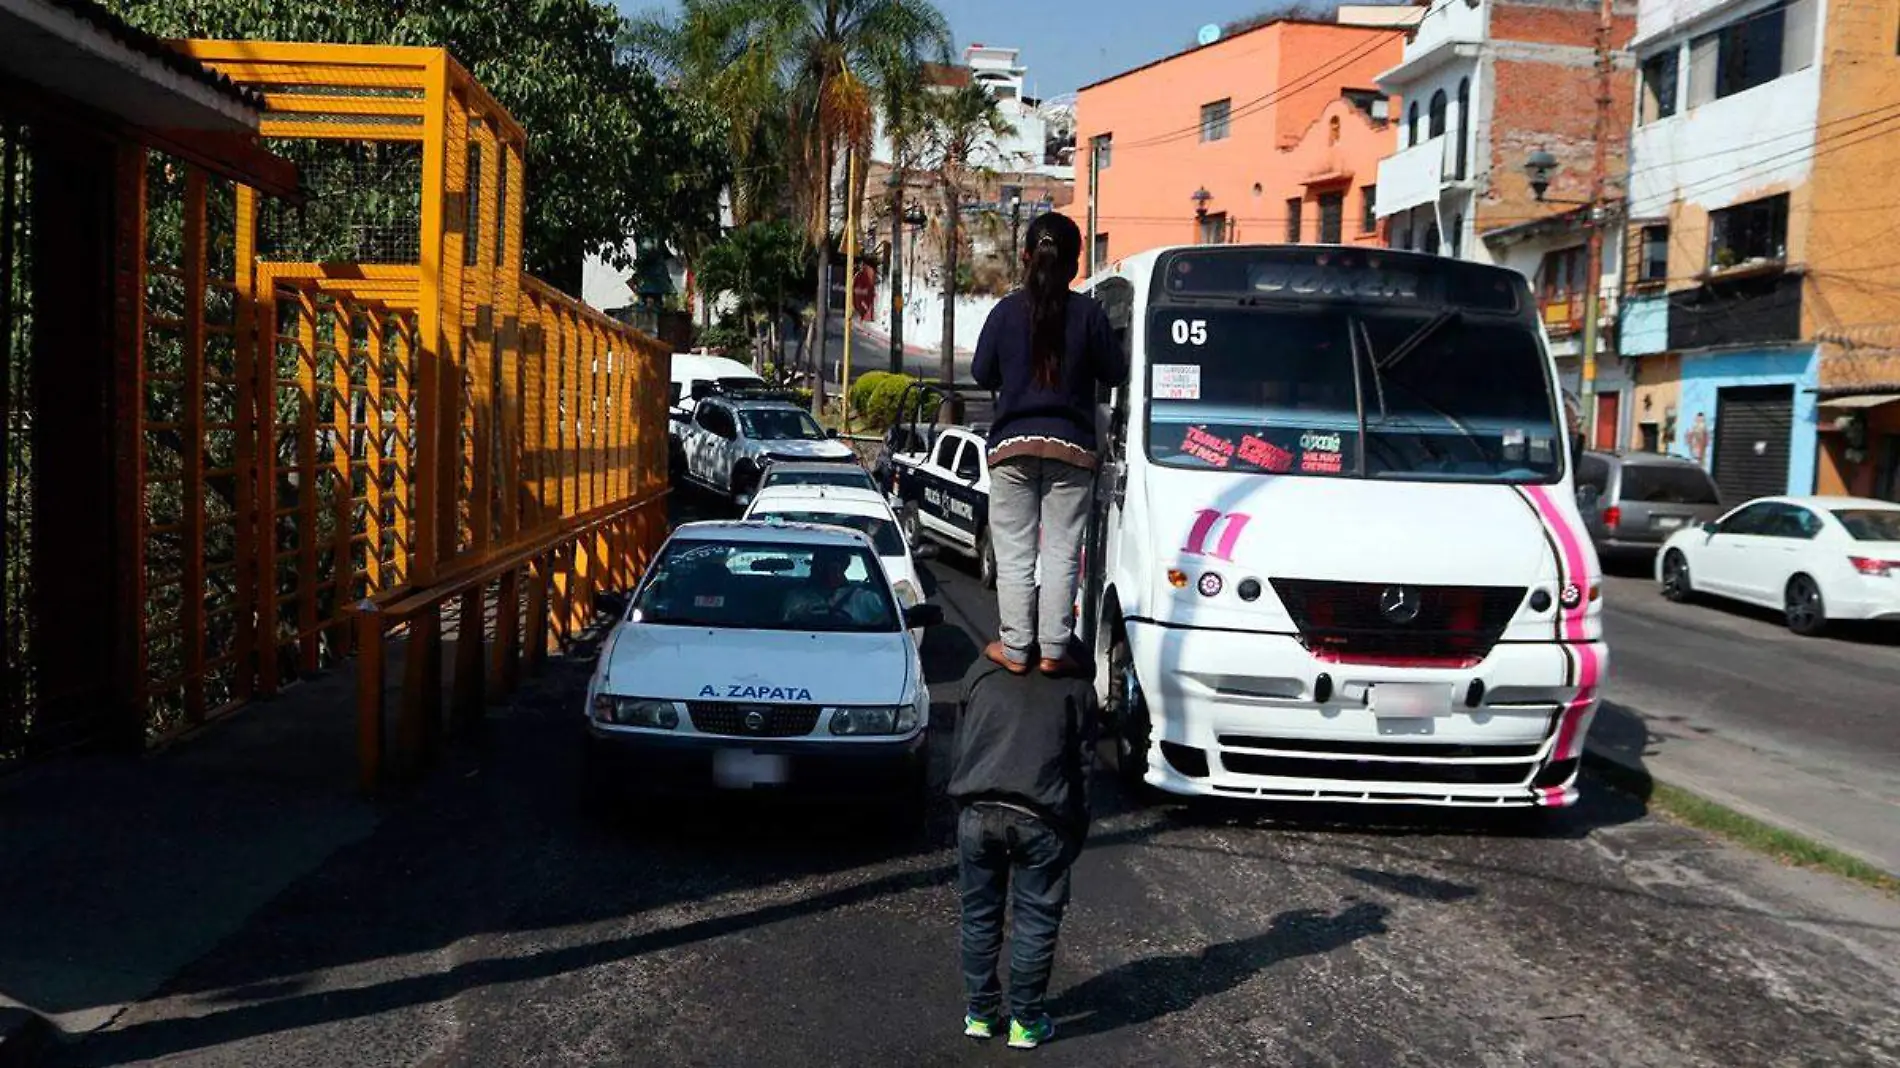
x=1207, y=448
x=1264, y=454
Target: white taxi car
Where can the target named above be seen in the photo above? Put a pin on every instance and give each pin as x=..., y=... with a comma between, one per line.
x=1817, y=559
x=757, y=656
x=863, y=510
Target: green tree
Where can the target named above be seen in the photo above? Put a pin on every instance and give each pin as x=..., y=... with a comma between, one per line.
x=964, y=126
x=610, y=152
x=757, y=264
x=827, y=59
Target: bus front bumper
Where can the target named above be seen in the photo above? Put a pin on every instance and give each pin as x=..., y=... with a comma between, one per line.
x=1256, y=715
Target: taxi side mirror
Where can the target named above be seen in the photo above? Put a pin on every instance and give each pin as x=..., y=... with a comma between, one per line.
x=1711, y=528
x=610, y=604
x=923, y=615
x=925, y=551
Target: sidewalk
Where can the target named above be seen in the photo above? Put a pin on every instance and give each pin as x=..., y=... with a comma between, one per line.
x=120, y=870
x=1828, y=805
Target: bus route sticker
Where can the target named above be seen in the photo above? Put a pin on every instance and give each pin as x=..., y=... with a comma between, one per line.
x=1178, y=381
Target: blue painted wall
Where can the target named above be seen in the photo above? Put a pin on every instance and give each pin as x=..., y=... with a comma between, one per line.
x=1706, y=373
x=1645, y=325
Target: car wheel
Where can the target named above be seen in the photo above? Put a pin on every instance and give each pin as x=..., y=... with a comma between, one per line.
x=986, y=560
x=1127, y=712
x=911, y=526
x=1805, y=611
x=1676, y=582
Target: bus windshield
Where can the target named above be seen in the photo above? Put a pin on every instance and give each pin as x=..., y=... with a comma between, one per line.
x=1351, y=391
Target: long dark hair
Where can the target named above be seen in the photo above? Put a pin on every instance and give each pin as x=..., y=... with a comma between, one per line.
x=1055, y=250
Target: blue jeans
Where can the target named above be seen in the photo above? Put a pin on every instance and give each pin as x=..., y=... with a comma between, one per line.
x=1003, y=855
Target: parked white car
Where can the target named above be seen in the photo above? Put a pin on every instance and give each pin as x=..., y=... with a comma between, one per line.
x=1817, y=559
x=863, y=510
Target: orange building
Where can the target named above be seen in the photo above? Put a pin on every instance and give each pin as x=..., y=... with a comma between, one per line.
x=1273, y=134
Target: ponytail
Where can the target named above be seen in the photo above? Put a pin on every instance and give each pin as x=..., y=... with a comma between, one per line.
x=1055, y=250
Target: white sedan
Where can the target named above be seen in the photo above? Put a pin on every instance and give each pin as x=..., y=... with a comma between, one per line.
x=863, y=510
x=1815, y=559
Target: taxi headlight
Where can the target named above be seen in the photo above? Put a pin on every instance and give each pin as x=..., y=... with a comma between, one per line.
x=636, y=712
x=878, y=719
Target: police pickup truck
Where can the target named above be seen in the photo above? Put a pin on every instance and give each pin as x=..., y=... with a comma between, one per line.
x=731, y=436
x=938, y=477
x=762, y=656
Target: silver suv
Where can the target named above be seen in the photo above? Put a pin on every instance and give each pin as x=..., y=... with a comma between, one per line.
x=1632, y=502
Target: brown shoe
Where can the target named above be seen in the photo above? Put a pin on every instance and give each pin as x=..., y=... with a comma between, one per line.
x=1058, y=668
x=995, y=653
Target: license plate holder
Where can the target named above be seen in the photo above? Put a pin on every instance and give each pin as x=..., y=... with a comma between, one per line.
x=1670, y=522
x=744, y=769
x=1409, y=700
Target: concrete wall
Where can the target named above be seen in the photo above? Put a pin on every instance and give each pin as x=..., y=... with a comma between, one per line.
x=1705, y=374
x=1656, y=397
x=1146, y=191
x=923, y=316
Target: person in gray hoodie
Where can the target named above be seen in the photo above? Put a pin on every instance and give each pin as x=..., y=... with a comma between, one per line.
x=1019, y=780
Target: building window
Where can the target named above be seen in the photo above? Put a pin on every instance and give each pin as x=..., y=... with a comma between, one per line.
x=1101, y=250
x=1757, y=230
x=1293, y=221
x=1659, y=85
x=1368, y=203
x=1464, y=125
x=1753, y=50
x=472, y=208
x=1411, y=125
x=1375, y=104
x=1655, y=263
x=1399, y=237
x=1431, y=239
x=1457, y=235
x=1332, y=218
x=1101, y=147
x=1437, y=115
x=1214, y=229
x=1214, y=120
x=1560, y=285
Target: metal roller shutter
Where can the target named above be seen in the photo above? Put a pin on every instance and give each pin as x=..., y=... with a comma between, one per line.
x=1753, y=428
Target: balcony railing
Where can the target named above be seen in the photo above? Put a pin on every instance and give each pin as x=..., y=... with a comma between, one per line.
x=1563, y=313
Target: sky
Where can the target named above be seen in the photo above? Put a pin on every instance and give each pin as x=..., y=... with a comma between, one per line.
x=1067, y=44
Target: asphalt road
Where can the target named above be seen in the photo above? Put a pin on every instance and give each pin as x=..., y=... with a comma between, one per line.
x=489, y=921
x=1716, y=667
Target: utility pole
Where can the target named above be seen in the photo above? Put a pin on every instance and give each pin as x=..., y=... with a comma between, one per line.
x=850, y=278
x=1592, y=296
x=1095, y=185
x=896, y=275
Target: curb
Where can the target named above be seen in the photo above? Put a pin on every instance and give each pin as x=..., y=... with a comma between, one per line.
x=1640, y=784
x=24, y=1035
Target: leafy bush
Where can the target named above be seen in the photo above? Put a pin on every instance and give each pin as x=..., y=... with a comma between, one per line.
x=865, y=388
x=729, y=337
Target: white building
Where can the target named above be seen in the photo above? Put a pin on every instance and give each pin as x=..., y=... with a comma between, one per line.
x=1024, y=150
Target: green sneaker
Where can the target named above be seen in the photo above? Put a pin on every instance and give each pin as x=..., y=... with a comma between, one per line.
x=1032, y=1034
x=979, y=1027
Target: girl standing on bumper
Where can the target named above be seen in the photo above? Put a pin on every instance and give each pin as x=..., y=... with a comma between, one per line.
x=1045, y=350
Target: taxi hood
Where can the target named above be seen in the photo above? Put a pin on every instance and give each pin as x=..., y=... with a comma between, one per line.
x=1357, y=530
x=782, y=667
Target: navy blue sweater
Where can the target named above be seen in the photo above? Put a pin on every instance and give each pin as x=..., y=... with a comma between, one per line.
x=1023, y=408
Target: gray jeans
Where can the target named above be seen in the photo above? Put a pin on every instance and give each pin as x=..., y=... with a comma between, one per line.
x=1036, y=502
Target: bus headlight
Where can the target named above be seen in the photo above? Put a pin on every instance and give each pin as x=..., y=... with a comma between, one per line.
x=636, y=712
x=877, y=719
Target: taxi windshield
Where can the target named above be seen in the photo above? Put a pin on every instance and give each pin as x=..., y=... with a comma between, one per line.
x=882, y=532
x=755, y=585
x=780, y=424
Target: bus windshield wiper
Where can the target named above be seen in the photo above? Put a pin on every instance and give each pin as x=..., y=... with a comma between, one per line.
x=1419, y=337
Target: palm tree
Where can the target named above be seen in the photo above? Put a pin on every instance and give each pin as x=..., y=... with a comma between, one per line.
x=905, y=122
x=826, y=59
x=965, y=126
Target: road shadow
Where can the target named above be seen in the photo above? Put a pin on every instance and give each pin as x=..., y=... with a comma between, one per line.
x=1145, y=990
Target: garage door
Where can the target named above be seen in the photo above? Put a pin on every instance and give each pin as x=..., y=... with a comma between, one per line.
x=1753, y=428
